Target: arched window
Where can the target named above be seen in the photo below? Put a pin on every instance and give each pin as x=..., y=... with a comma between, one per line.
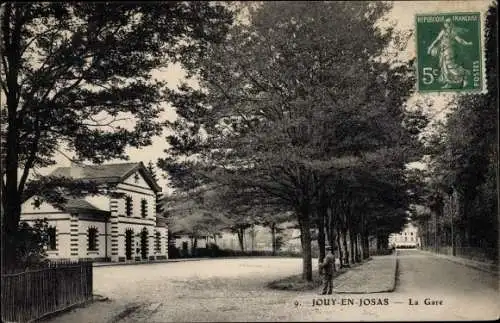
x=128, y=205
x=144, y=208
x=157, y=242
x=51, y=238
x=144, y=243
x=92, y=239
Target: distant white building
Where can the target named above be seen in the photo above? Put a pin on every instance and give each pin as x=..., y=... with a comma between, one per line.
x=103, y=227
x=408, y=237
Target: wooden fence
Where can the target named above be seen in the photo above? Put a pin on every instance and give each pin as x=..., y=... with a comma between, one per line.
x=32, y=294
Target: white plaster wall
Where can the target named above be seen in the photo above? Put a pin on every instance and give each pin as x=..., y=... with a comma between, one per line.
x=121, y=242
x=136, y=245
x=140, y=182
x=83, y=226
x=63, y=245
x=409, y=231
x=28, y=207
x=137, y=190
x=59, y=216
x=136, y=202
x=164, y=240
x=228, y=241
x=202, y=243
x=62, y=236
x=180, y=240
x=155, y=252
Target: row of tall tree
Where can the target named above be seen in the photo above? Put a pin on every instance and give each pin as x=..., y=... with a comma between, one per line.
x=461, y=184
x=296, y=110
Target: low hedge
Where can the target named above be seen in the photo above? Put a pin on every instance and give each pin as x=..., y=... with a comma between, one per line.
x=218, y=253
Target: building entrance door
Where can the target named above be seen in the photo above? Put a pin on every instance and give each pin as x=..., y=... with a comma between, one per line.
x=129, y=236
x=144, y=243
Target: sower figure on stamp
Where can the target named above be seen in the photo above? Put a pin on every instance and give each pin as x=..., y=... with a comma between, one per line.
x=326, y=268
x=451, y=72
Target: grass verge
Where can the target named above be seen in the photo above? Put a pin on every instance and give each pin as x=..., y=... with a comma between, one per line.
x=297, y=283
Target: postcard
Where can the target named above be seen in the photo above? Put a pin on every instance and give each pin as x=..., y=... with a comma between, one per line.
x=220, y=161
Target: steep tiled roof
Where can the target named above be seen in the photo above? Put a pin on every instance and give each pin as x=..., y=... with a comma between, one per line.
x=78, y=205
x=95, y=171
x=110, y=173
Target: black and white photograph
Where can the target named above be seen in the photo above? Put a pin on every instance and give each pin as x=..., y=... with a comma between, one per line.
x=249, y=161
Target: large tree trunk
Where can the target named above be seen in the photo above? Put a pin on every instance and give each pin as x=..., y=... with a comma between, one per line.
x=366, y=246
x=382, y=241
x=359, y=247
x=11, y=198
x=363, y=246
x=356, y=245
x=346, y=250
x=321, y=235
x=339, y=246
x=330, y=228
x=252, y=236
x=364, y=238
x=171, y=245
x=352, y=244
x=273, y=237
x=194, y=251
x=305, y=239
x=241, y=233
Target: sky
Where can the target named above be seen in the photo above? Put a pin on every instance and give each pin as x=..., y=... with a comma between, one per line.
x=402, y=13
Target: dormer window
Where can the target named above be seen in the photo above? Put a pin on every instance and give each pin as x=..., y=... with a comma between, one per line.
x=128, y=205
x=144, y=208
x=136, y=178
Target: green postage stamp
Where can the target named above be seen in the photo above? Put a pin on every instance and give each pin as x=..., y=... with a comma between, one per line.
x=450, y=52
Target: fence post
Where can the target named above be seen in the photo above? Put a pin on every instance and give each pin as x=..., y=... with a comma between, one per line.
x=29, y=295
x=90, y=278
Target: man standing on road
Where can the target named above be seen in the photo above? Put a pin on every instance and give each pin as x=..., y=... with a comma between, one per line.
x=326, y=267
